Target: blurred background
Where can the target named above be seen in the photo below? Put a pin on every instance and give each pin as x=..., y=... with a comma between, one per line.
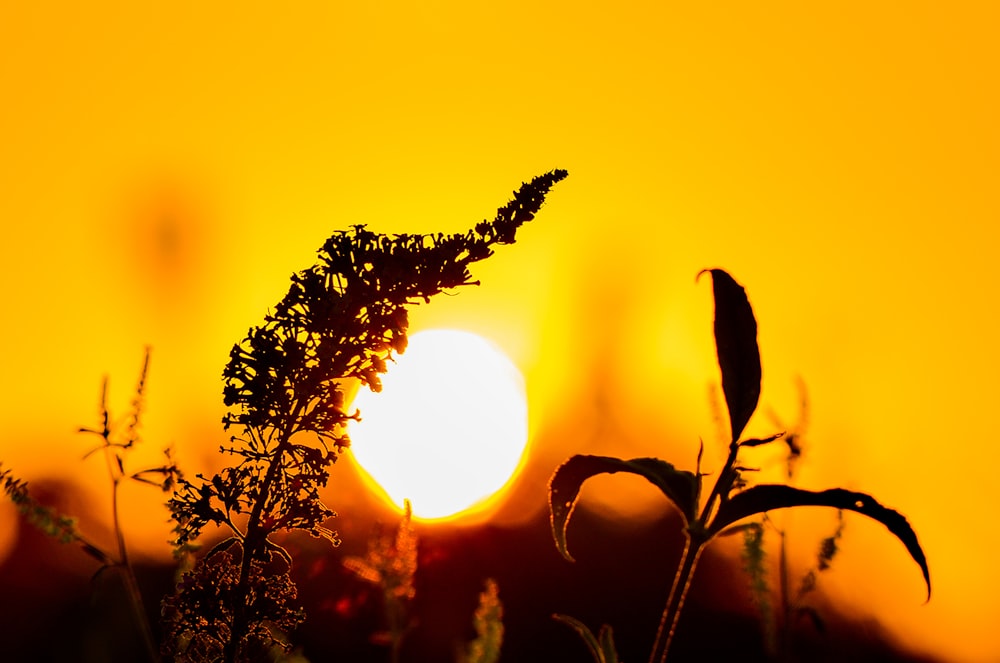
x=166, y=167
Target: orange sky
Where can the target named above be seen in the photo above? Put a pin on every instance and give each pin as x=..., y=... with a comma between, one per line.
x=165, y=168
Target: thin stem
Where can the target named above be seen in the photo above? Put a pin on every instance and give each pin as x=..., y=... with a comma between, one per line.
x=722, y=485
x=396, y=630
x=253, y=542
x=785, y=604
x=125, y=564
x=675, y=601
x=695, y=539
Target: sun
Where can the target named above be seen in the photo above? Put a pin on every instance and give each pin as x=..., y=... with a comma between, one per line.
x=449, y=428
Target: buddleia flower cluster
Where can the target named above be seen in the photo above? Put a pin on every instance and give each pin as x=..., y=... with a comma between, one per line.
x=340, y=324
x=198, y=616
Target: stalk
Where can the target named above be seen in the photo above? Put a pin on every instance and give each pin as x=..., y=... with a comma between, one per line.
x=252, y=543
x=125, y=564
x=675, y=601
x=695, y=540
x=785, y=604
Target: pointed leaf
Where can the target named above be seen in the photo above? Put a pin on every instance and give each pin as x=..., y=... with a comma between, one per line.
x=679, y=486
x=756, y=442
x=607, y=637
x=222, y=546
x=768, y=497
x=593, y=646
x=736, y=346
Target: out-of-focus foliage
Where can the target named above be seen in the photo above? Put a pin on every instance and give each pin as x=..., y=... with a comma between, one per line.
x=488, y=622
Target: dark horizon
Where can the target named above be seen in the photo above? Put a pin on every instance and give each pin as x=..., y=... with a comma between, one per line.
x=55, y=610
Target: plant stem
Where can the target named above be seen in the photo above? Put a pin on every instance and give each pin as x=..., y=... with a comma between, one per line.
x=785, y=604
x=695, y=539
x=722, y=485
x=675, y=601
x=253, y=543
x=125, y=564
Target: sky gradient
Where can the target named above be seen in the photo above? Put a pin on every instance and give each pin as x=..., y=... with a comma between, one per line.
x=167, y=167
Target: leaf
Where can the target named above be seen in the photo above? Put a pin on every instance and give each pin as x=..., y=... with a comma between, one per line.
x=593, y=646
x=607, y=638
x=736, y=346
x=767, y=497
x=679, y=486
x=601, y=647
x=756, y=442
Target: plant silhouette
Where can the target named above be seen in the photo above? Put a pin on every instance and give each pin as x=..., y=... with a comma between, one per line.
x=117, y=440
x=342, y=320
x=727, y=503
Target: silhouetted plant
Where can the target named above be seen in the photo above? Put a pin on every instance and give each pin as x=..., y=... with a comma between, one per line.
x=341, y=320
x=728, y=502
x=116, y=441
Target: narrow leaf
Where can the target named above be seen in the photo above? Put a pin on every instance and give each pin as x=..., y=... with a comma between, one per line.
x=679, y=486
x=768, y=497
x=222, y=546
x=736, y=346
x=608, y=650
x=756, y=442
x=593, y=646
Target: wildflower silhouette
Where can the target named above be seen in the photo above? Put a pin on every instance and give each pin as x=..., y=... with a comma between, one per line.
x=116, y=441
x=739, y=361
x=342, y=320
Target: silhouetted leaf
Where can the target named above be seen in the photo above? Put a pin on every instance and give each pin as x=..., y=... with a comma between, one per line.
x=607, y=638
x=756, y=442
x=736, y=346
x=679, y=486
x=769, y=497
x=601, y=647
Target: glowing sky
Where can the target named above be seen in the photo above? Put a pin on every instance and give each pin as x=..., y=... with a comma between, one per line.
x=166, y=166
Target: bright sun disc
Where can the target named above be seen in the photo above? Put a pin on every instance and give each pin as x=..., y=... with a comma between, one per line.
x=448, y=429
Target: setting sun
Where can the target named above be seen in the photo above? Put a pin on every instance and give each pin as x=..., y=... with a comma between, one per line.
x=448, y=429
x=168, y=166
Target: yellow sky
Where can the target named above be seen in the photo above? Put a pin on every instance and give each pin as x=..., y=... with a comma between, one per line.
x=166, y=166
